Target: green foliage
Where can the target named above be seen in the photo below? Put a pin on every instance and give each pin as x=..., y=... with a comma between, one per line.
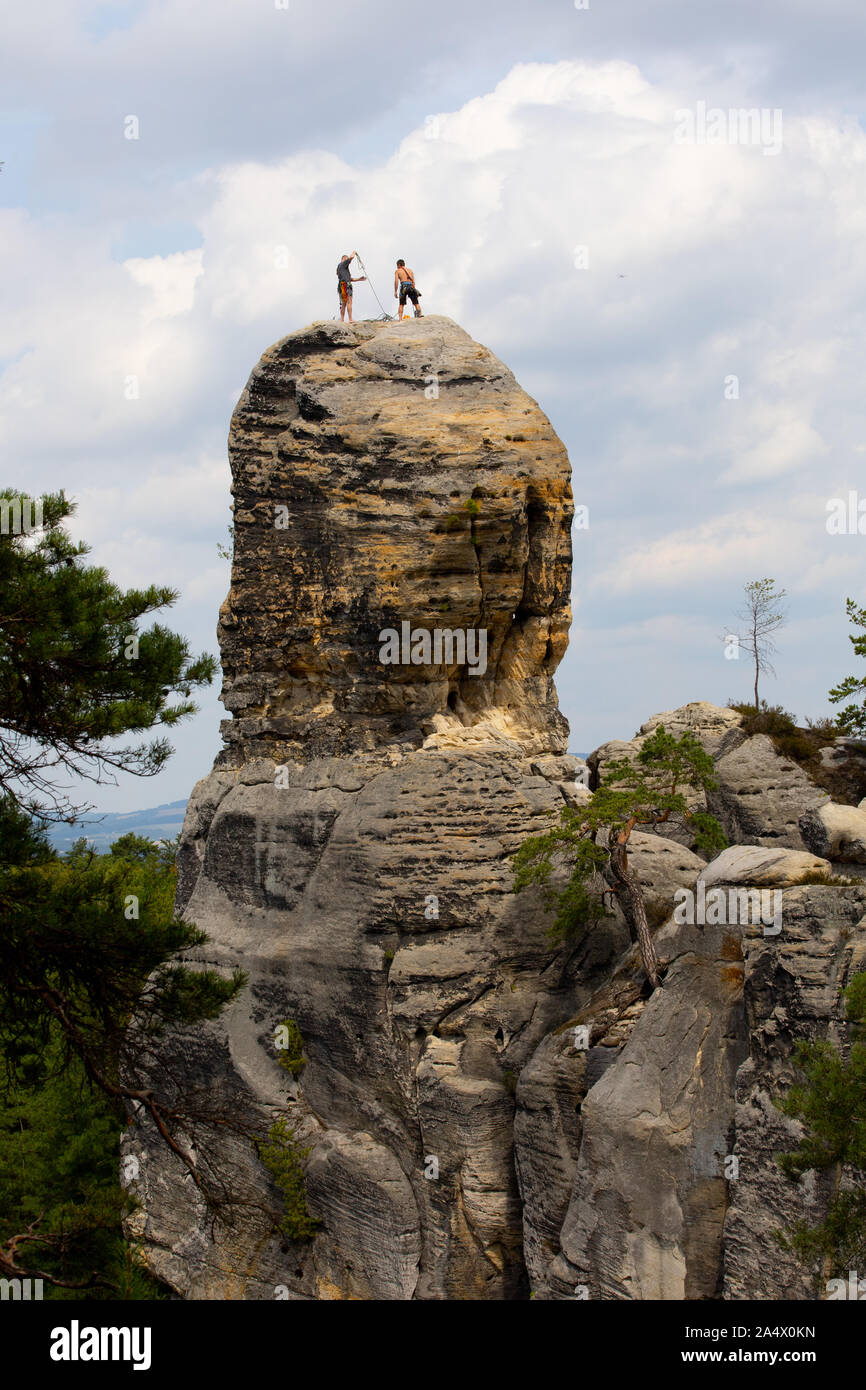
x=534, y=862
x=851, y=719
x=80, y=852
x=456, y=521
x=855, y=1001
x=76, y=674
x=291, y=1046
x=59, y=1164
x=823, y=728
x=89, y=946
x=648, y=792
x=225, y=551
x=653, y=790
x=709, y=837
x=72, y=968
x=831, y=1104
x=801, y=745
x=87, y=940
x=22, y=840
x=842, y=776
x=838, y=1243
x=284, y=1158
x=769, y=719
x=137, y=849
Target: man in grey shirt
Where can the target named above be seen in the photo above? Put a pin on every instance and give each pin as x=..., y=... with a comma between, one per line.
x=344, y=284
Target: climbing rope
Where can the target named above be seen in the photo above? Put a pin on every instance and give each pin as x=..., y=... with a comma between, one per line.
x=384, y=314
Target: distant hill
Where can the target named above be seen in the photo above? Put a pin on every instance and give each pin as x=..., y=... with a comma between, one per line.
x=156, y=823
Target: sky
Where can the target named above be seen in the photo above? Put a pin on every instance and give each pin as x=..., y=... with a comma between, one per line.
x=681, y=288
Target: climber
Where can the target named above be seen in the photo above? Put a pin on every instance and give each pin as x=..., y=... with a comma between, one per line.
x=345, y=279
x=404, y=288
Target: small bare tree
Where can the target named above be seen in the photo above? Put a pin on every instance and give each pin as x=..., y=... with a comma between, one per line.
x=762, y=614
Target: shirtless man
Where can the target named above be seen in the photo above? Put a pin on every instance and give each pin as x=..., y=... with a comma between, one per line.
x=345, y=279
x=404, y=288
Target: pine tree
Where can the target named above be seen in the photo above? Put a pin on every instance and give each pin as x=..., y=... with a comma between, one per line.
x=88, y=983
x=646, y=793
x=90, y=975
x=76, y=674
x=852, y=718
x=831, y=1104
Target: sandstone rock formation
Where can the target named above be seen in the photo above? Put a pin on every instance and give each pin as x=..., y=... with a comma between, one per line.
x=670, y=1188
x=351, y=848
x=792, y=988
x=484, y=1113
x=838, y=832
x=666, y=1186
x=383, y=475
x=762, y=868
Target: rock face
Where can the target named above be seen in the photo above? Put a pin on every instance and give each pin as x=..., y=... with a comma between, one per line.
x=761, y=795
x=666, y=1185
x=839, y=832
x=386, y=474
x=670, y=1189
x=763, y=868
x=648, y=1199
x=792, y=988
x=350, y=851
x=481, y=1112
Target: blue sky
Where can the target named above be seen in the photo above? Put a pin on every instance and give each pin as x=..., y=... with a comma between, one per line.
x=487, y=143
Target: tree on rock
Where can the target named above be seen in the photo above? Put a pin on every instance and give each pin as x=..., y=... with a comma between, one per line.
x=763, y=613
x=647, y=793
x=852, y=719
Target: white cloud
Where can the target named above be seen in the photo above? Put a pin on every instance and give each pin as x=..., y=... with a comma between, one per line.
x=776, y=440
x=171, y=280
x=703, y=262
x=699, y=555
